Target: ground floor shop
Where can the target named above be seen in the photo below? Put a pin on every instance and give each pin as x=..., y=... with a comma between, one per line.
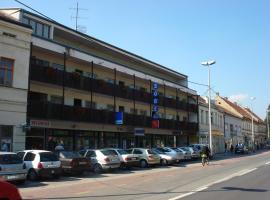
x=48, y=138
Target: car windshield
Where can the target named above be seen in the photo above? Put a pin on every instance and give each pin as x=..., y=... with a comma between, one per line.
x=69, y=154
x=122, y=152
x=108, y=152
x=176, y=149
x=48, y=157
x=158, y=151
x=150, y=151
x=10, y=159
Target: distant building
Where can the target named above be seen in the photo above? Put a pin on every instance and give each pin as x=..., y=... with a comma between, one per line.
x=217, y=119
x=15, y=39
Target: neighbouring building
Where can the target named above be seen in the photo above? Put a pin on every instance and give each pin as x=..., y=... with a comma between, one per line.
x=217, y=120
x=15, y=39
x=89, y=94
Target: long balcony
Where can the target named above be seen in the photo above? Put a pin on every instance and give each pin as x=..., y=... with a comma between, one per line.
x=47, y=110
x=77, y=81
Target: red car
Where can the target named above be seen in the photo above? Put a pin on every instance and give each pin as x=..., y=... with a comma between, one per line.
x=9, y=191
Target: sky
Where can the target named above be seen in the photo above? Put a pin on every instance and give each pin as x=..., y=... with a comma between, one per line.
x=180, y=34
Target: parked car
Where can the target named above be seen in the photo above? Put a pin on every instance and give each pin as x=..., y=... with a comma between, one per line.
x=194, y=152
x=165, y=159
x=41, y=164
x=186, y=152
x=198, y=147
x=73, y=163
x=172, y=152
x=101, y=159
x=147, y=156
x=180, y=153
x=12, y=167
x=241, y=148
x=127, y=160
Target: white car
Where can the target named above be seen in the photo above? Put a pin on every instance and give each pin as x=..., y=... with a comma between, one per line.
x=41, y=163
x=12, y=167
x=187, y=153
x=165, y=159
x=101, y=159
x=126, y=159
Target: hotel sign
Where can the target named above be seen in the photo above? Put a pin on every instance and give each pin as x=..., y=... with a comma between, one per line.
x=40, y=123
x=155, y=108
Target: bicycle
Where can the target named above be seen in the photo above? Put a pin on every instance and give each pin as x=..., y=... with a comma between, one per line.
x=205, y=160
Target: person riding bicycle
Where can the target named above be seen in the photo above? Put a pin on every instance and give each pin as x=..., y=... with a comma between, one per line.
x=206, y=151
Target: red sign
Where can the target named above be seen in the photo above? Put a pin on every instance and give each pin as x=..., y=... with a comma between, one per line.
x=40, y=123
x=155, y=123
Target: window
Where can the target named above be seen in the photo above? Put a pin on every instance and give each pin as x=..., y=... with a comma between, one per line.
x=207, y=117
x=6, y=135
x=56, y=99
x=121, y=83
x=77, y=102
x=58, y=66
x=29, y=157
x=91, y=154
x=109, y=80
x=6, y=71
x=21, y=155
x=48, y=157
x=142, y=89
x=110, y=107
x=143, y=112
x=39, y=29
x=137, y=151
x=121, y=109
x=202, y=117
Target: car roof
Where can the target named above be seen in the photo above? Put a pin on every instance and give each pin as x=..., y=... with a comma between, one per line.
x=36, y=151
x=5, y=153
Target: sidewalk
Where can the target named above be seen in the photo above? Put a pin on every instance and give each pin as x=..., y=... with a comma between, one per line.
x=220, y=156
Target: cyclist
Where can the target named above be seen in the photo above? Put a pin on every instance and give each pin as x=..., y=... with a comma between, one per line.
x=205, y=152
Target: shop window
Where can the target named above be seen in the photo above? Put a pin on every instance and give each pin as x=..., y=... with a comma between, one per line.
x=143, y=112
x=6, y=135
x=121, y=83
x=110, y=107
x=133, y=111
x=6, y=71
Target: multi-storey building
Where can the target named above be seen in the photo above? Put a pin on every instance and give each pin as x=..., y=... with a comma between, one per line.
x=15, y=40
x=217, y=125
x=87, y=93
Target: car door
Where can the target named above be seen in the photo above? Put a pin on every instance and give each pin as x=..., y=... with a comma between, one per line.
x=91, y=155
x=28, y=159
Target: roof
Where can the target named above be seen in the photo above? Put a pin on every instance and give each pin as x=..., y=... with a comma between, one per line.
x=105, y=43
x=5, y=18
x=35, y=151
x=256, y=116
x=238, y=108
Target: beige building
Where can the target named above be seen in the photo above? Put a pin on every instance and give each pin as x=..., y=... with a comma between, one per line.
x=90, y=94
x=217, y=124
x=15, y=40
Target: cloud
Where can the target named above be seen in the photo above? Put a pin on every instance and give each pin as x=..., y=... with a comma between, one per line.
x=238, y=97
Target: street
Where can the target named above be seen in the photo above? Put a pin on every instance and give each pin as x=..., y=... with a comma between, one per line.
x=225, y=178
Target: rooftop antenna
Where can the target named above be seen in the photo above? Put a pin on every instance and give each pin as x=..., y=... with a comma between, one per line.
x=78, y=27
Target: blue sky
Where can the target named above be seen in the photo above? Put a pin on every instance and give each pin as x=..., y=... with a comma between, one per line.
x=180, y=34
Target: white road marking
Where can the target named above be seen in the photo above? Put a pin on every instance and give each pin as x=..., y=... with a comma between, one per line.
x=240, y=173
x=267, y=163
x=189, y=193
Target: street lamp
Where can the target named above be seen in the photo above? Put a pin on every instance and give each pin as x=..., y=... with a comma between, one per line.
x=208, y=64
x=252, y=123
x=267, y=122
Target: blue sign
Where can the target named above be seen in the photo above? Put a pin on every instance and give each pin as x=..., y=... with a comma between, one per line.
x=155, y=93
x=139, y=132
x=119, y=118
x=155, y=86
x=155, y=108
x=155, y=101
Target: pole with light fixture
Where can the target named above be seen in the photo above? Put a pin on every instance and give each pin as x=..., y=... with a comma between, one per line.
x=252, y=123
x=208, y=64
x=268, y=123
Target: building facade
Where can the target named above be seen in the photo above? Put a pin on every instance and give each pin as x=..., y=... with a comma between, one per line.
x=15, y=40
x=89, y=94
x=217, y=120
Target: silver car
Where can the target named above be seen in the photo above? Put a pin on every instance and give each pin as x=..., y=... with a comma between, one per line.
x=147, y=156
x=102, y=159
x=187, y=153
x=194, y=152
x=12, y=167
x=165, y=159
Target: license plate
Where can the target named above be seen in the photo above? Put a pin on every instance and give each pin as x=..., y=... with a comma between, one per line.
x=11, y=177
x=52, y=166
x=133, y=158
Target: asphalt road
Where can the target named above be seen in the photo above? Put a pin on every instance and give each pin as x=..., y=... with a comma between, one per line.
x=187, y=181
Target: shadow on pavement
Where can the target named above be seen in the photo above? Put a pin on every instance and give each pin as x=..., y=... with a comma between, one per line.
x=244, y=189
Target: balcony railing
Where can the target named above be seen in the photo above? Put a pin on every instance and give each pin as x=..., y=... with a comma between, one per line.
x=80, y=82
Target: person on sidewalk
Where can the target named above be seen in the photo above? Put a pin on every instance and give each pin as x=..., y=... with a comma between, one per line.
x=231, y=149
x=226, y=147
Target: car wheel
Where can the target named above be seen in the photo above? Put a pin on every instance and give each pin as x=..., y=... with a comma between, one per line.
x=163, y=162
x=143, y=164
x=32, y=175
x=97, y=168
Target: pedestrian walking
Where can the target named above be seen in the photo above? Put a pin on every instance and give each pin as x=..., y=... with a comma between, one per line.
x=231, y=149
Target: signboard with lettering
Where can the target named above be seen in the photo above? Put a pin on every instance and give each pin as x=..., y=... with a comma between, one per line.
x=119, y=118
x=40, y=123
x=139, y=132
x=155, y=108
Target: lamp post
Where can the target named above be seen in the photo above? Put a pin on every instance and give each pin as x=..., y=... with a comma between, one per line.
x=268, y=123
x=252, y=123
x=208, y=64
